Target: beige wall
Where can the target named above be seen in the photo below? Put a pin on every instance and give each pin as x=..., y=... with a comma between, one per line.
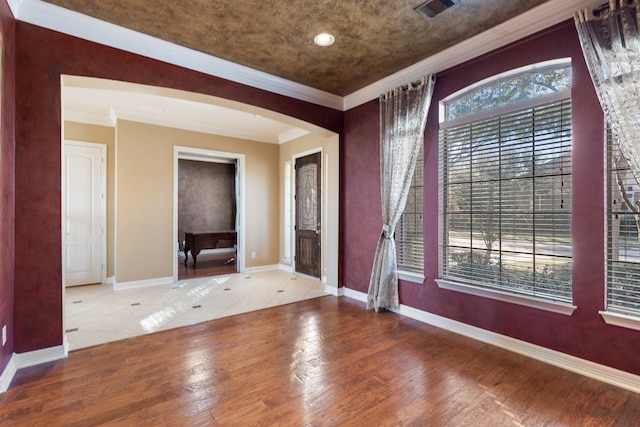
x=330, y=199
x=101, y=135
x=145, y=245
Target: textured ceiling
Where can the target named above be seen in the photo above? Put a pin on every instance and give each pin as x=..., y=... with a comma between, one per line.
x=374, y=38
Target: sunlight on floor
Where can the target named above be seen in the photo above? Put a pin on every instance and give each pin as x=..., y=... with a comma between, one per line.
x=97, y=314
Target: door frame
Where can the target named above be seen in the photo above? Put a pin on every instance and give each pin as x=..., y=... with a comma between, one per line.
x=323, y=209
x=213, y=156
x=103, y=206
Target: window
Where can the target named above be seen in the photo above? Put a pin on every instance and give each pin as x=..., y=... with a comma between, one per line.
x=505, y=174
x=623, y=245
x=408, y=234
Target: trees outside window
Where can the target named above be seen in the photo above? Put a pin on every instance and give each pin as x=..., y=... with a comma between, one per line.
x=409, y=230
x=623, y=244
x=505, y=170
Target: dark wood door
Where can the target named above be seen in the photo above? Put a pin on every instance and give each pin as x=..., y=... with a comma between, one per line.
x=308, y=232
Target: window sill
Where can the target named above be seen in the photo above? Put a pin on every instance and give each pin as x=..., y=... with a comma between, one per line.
x=533, y=302
x=619, y=319
x=408, y=276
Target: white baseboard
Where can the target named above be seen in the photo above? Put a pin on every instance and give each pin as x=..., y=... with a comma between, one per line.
x=261, y=268
x=333, y=290
x=28, y=359
x=336, y=292
x=143, y=283
x=38, y=357
x=65, y=345
x=580, y=366
x=7, y=375
x=284, y=267
x=111, y=280
x=357, y=295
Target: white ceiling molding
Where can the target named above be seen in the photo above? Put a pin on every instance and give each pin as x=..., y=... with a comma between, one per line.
x=65, y=21
x=292, y=134
x=14, y=5
x=75, y=24
x=530, y=22
x=89, y=118
x=102, y=102
x=252, y=133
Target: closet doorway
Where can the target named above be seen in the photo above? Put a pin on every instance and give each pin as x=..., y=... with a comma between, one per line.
x=208, y=212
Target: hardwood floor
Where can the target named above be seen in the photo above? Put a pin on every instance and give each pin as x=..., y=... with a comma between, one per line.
x=207, y=265
x=321, y=362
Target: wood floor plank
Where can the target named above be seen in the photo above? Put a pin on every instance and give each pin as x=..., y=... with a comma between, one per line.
x=320, y=362
x=208, y=265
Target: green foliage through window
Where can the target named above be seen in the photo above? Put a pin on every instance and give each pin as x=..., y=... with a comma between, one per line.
x=408, y=234
x=504, y=92
x=623, y=245
x=506, y=187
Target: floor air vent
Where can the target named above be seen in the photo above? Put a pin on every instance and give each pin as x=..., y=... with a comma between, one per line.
x=433, y=7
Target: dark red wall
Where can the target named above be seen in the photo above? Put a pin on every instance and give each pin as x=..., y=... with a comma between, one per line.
x=7, y=147
x=584, y=334
x=360, y=191
x=41, y=57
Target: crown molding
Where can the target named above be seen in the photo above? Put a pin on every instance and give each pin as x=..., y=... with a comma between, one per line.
x=537, y=19
x=14, y=5
x=53, y=17
x=291, y=135
x=89, y=118
x=65, y=21
x=248, y=133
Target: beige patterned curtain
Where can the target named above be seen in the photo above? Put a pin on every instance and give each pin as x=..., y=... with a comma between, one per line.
x=403, y=116
x=611, y=45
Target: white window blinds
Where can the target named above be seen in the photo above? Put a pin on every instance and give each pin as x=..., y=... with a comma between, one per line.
x=506, y=200
x=623, y=245
x=409, y=234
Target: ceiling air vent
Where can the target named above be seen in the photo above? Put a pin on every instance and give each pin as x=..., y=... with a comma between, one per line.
x=433, y=7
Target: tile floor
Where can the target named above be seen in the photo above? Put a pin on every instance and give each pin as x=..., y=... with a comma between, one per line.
x=97, y=314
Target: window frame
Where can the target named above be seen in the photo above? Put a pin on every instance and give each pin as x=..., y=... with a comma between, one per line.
x=615, y=314
x=561, y=307
x=417, y=185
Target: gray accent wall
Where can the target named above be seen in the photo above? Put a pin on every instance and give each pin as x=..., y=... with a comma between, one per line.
x=206, y=197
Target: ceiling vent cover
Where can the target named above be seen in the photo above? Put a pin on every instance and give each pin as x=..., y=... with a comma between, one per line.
x=433, y=7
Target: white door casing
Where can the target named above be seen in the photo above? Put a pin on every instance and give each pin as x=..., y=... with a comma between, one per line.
x=84, y=212
x=206, y=155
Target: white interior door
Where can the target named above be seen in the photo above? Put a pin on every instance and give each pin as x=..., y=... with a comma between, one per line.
x=84, y=212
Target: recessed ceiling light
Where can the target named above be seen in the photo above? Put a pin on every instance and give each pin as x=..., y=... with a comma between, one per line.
x=324, y=39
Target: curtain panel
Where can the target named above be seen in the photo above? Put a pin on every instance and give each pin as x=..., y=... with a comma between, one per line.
x=611, y=45
x=403, y=116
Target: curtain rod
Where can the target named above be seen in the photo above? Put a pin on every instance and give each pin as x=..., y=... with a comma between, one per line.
x=604, y=8
x=414, y=84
